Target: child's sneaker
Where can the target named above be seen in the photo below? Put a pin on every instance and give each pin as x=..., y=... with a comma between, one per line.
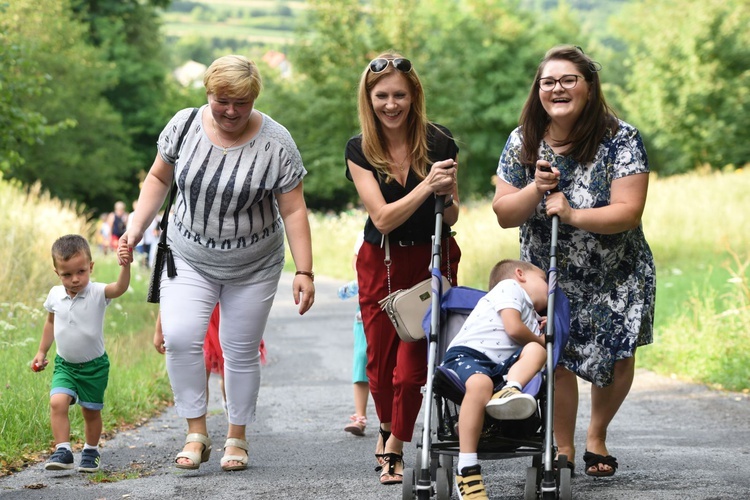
x=357, y=425
x=89, y=461
x=511, y=404
x=61, y=459
x=469, y=484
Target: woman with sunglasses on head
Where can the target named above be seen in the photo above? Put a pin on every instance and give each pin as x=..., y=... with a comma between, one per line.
x=596, y=184
x=399, y=164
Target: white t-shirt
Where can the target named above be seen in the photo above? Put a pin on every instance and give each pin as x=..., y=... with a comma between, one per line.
x=79, y=322
x=484, y=331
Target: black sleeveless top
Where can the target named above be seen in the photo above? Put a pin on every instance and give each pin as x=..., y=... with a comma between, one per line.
x=420, y=227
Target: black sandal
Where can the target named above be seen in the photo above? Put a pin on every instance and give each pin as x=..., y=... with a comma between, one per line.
x=380, y=457
x=595, y=460
x=391, y=459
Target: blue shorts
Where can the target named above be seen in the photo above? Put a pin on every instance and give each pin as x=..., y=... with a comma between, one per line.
x=359, y=363
x=465, y=362
x=85, y=382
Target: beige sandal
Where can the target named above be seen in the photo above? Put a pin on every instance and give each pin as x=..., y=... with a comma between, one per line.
x=195, y=458
x=237, y=443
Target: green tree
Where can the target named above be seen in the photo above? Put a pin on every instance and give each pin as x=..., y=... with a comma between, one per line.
x=87, y=158
x=688, y=84
x=318, y=103
x=129, y=33
x=475, y=57
x=22, y=82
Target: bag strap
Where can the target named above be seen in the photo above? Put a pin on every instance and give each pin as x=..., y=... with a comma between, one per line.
x=387, y=261
x=173, y=190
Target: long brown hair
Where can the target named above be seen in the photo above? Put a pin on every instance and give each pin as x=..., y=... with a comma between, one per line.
x=596, y=120
x=373, y=140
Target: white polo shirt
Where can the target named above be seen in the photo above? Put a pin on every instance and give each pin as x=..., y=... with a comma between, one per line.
x=79, y=322
x=484, y=330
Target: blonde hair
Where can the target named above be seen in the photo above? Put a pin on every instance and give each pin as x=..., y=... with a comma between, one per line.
x=233, y=76
x=504, y=270
x=373, y=141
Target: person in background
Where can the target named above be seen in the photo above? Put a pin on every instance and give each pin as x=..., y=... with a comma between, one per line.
x=399, y=163
x=358, y=420
x=239, y=192
x=75, y=322
x=103, y=233
x=572, y=157
x=118, y=222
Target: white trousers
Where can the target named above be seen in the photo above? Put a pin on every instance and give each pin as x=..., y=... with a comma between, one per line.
x=186, y=304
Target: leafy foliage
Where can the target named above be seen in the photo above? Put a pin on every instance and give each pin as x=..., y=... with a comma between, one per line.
x=21, y=83
x=477, y=94
x=82, y=100
x=128, y=33
x=688, y=81
x=87, y=158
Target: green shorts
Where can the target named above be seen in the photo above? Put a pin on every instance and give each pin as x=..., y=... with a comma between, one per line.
x=84, y=382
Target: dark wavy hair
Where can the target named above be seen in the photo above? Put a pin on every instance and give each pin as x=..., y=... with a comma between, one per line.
x=596, y=120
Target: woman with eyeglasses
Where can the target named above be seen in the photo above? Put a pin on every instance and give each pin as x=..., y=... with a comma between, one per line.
x=399, y=163
x=596, y=183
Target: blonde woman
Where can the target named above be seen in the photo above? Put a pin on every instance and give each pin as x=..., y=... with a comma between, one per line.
x=239, y=189
x=399, y=164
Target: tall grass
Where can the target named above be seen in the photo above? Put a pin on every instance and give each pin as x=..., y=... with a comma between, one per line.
x=31, y=221
x=137, y=385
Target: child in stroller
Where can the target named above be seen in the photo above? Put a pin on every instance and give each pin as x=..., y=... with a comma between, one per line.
x=500, y=341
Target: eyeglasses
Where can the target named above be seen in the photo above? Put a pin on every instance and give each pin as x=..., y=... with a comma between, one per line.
x=380, y=64
x=566, y=82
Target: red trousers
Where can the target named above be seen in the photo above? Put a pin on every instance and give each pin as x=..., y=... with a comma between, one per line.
x=396, y=370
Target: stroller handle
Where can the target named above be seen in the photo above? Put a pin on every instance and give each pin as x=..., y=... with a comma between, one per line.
x=548, y=169
x=440, y=204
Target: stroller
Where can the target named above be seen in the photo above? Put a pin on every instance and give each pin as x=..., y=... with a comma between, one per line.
x=433, y=473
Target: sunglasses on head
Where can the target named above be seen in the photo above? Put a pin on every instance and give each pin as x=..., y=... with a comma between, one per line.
x=380, y=64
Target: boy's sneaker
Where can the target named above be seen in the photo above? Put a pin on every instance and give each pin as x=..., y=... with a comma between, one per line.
x=469, y=484
x=511, y=404
x=61, y=459
x=89, y=461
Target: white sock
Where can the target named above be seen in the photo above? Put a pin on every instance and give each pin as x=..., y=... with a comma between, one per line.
x=65, y=445
x=466, y=460
x=87, y=446
x=513, y=383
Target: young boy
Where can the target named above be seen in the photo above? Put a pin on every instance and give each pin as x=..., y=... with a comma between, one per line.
x=504, y=322
x=76, y=321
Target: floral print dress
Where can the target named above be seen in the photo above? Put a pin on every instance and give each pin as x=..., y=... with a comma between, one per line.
x=610, y=279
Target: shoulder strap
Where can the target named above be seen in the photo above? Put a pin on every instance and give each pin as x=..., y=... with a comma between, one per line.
x=173, y=190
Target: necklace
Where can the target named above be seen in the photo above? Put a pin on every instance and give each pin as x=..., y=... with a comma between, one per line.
x=216, y=133
x=401, y=164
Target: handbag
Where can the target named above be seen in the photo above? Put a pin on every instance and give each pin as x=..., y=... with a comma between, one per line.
x=406, y=308
x=163, y=252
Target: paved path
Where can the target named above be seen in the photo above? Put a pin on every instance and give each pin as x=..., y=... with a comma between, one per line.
x=673, y=440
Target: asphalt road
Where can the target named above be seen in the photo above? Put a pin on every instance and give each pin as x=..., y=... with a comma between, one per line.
x=672, y=440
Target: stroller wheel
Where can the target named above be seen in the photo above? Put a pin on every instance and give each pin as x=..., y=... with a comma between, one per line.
x=446, y=462
x=408, y=486
x=564, y=487
x=443, y=484
x=532, y=481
